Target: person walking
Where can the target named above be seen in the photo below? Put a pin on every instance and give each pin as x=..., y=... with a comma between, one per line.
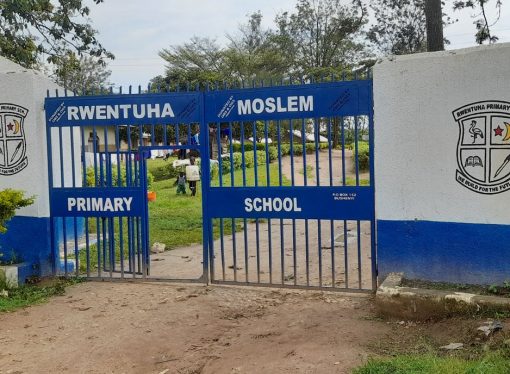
x=192, y=175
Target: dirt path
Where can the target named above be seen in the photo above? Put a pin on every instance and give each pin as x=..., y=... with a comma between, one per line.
x=325, y=174
x=280, y=254
x=168, y=328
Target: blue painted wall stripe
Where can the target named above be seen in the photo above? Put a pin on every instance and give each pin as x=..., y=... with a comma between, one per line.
x=444, y=251
x=29, y=238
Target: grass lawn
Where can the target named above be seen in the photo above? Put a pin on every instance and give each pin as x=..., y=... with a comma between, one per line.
x=176, y=220
x=352, y=182
x=493, y=363
x=32, y=294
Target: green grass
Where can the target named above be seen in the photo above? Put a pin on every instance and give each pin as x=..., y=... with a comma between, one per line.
x=274, y=178
x=176, y=220
x=33, y=294
x=494, y=363
x=352, y=182
x=309, y=172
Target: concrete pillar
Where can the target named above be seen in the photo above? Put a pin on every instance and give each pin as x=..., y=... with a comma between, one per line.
x=24, y=163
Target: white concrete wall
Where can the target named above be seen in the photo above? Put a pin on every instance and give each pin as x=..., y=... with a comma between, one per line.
x=416, y=134
x=28, y=89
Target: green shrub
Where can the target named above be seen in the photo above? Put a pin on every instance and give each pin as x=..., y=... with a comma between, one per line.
x=298, y=149
x=238, y=160
x=225, y=165
x=361, y=143
x=261, y=158
x=10, y=200
x=363, y=155
x=214, y=171
x=310, y=147
x=103, y=180
x=285, y=149
x=226, y=162
x=249, y=160
x=248, y=146
x=150, y=180
x=273, y=153
x=164, y=172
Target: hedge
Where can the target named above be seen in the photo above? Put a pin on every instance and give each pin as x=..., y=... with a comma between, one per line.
x=284, y=148
x=167, y=171
x=164, y=172
x=91, y=177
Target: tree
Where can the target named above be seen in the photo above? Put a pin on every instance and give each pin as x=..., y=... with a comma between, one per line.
x=483, y=26
x=195, y=63
x=434, y=18
x=31, y=29
x=252, y=53
x=400, y=26
x=84, y=74
x=322, y=36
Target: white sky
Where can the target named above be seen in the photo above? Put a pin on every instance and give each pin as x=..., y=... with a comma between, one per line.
x=135, y=30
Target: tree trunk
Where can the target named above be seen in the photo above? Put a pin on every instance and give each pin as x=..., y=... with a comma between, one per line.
x=335, y=132
x=434, y=16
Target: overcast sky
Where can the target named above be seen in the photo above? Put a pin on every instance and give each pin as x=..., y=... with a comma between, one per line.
x=135, y=30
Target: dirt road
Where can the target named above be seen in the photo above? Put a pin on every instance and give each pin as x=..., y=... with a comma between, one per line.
x=169, y=328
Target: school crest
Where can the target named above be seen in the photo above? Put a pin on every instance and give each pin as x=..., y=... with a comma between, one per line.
x=13, y=146
x=483, y=148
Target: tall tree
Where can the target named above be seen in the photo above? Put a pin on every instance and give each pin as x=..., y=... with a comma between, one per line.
x=81, y=74
x=195, y=63
x=31, y=29
x=252, y=53
x=434, y=17
x=323, y=35
x=399, y=27
x=483, y=26
x=320, y=38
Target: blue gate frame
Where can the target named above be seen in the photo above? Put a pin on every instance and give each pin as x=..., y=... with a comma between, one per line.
x=290, y=188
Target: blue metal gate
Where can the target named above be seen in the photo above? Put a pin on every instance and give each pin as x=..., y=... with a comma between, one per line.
x=302, y=207
x=287, y=182
x=98, y=148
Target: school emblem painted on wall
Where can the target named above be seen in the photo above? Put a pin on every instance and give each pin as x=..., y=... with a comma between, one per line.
x=483, y=148
x=13, y=158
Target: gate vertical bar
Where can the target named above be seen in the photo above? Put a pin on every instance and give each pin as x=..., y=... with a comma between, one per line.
x=206, y=185
x=49, y=156
x=373, y=223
